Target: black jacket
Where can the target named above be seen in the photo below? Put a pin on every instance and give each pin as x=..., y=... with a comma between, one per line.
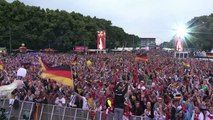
x=119, y=97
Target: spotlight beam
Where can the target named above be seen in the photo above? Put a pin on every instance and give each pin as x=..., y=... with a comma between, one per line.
x=181, y=31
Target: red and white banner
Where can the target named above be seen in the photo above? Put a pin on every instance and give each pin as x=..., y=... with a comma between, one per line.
x=101, y=40
x=178, y=43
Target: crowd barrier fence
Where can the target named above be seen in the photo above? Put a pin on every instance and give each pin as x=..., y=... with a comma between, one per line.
x=35, y=111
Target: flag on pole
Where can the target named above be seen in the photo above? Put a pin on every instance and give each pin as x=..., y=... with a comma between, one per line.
x=43, y=64
x=61, y=74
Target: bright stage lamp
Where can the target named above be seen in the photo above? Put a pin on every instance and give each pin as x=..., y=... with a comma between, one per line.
x=181, y=31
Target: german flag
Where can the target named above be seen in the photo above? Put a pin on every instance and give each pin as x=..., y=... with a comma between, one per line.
x=61, y=74
x=209, y=55
x=177, y=97
x=1, y=65
x=142, y=58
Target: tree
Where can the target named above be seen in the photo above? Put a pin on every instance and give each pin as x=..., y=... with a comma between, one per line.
x=40, y=28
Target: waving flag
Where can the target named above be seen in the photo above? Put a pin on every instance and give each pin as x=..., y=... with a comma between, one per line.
x=141, y=58
x=61, y=74
x=186, y=64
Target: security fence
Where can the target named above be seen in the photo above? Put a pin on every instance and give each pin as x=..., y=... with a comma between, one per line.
x=22, y=112
x=35, y=111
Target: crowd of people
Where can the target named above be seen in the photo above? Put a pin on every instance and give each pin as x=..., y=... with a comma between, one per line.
x=161, y=88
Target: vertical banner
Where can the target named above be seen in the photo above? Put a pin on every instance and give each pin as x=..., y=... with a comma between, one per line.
x=178, y=43
x=101, y=40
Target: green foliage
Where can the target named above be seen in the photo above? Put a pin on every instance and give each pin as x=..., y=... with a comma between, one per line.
x=167, y=44
x=41, y=28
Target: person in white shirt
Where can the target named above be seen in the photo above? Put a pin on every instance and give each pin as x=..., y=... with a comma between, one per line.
x=60, y=100
x=98, y=107
x=209, y=114
x=72, y=100
x=197, y=114
x=159, y=115
x=85, y=105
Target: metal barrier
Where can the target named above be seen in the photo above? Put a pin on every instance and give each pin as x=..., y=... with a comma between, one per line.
x=53, y=112
x=35, y=111
x=24, y=111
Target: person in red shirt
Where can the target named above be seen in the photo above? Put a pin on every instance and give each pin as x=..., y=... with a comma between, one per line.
x=127, y=110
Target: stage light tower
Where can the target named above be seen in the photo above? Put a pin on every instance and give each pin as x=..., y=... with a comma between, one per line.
x=181, y=32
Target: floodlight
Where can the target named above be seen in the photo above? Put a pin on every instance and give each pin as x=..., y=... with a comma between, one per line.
x=181, y=31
